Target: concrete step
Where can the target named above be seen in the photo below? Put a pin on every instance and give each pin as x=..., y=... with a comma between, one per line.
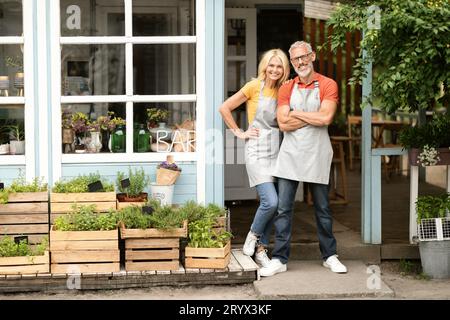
x=310, y=280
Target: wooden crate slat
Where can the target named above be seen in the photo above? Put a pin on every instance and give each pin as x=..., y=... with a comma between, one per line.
x=85, y=268
x=83, y=197
x=209, y=263
x=152, y=254
x=28, y=197
x=39, y=268
x=152, y=243
x=17, y=261
x=66, y=207
x=30, y=207
x=157, y=265
x=23, y=218
x=23, y=229
x=154, y=233
x=84, y=235
x=85, y=256
x=207, y=252
x=83, y=245
x=246, y=262
x=234, y=265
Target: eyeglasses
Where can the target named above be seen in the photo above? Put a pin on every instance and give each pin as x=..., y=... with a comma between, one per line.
x=305, y=58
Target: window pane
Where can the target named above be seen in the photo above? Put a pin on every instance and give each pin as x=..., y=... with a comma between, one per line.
x=11, y=71
x=12, y=132
x=11, y=18
x=88, y=18
x=236, y=37
x=171, y=126
x=164, y=69
x=174, y=18
x=93, y=69
x=93, y=128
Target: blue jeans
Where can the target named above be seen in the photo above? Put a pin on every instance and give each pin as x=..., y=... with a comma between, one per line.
x=263, y=220
x=283, y=220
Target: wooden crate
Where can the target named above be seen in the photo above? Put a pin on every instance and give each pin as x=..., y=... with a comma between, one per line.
x=208, y=258
x=84, y=251
x=25, y=265
x=152, y=249
x=61, y=203
x=221, y=224
x=26, y=213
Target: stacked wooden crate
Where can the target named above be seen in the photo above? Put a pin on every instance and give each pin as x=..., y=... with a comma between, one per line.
x=152, y=249
x=25, y=214
x=84, y=251
x=25, y=265
x=208, y=258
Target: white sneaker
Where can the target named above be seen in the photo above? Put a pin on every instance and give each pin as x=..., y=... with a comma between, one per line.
x=334, y=264
x=262, y=259
x=250, y=244
x=275, y=266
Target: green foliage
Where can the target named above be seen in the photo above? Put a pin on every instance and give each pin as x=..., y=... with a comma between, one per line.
x=80, y=184
x=16, y=131
x=138, y=182
x=410, y=49
x=84, y=218
x=432, y=206
x=434, y=133
x=21, y=185
x=166, y=217
x=155, y=115
x=202, y=235
x=194, y=212
x=133, y=218
x=8, y=248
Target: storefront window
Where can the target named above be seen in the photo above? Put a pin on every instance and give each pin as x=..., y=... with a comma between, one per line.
x=164, y=69
x=155, y=59
x=93, y=69
x=12, y=133
x=11, y=71
x=89, y=128
x=11, y=18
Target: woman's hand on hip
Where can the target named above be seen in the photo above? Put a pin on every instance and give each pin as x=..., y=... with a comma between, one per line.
x=251, y=133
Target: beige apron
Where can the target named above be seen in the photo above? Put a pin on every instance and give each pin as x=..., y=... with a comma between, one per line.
x=305, y=154
x=261, y=153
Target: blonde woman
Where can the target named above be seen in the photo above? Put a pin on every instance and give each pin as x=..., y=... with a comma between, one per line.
x=262, y=140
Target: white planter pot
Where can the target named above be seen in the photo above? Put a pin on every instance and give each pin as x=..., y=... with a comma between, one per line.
x=4, y=148
x=17, y=147
x=164, y=194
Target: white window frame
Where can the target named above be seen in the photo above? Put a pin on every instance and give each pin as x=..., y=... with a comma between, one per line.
x=128, y=157
x=28, y=100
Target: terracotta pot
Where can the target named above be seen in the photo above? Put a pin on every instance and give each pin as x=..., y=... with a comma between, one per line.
x=444, y=156
x=122, y=197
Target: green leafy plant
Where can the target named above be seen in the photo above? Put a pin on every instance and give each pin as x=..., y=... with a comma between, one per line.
x=202, y=235
x=16, y=132
x=432, y=206
x=409, y=49
x=435, y=133
x=84, y=218
x=80, y=184
x=155, y=115
x=21, y=185
x=166, y=217
x=133, y=218
x=9, y=248
x=138, y=182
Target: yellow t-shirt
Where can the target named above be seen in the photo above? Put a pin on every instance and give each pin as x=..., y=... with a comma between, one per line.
x=251, y=90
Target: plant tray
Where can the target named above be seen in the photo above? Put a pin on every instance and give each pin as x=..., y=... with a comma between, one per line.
x=207, y=258
x=61, y=203
x=26, y=213
x=84, y=251
x=25, y=265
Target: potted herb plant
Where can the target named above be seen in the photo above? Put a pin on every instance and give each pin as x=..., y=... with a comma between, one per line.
x=157, y=125
x=152, y=241
x=85, y=241
x=433, y=219
x=83, y=189
x=131, y=188
x=24, y=209
x=19, y=257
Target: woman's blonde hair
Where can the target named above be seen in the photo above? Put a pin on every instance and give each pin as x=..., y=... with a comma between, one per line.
x=263, y=64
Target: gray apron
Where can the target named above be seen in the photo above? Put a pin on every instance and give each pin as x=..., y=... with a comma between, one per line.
x=305, y=154
x=261, y=153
